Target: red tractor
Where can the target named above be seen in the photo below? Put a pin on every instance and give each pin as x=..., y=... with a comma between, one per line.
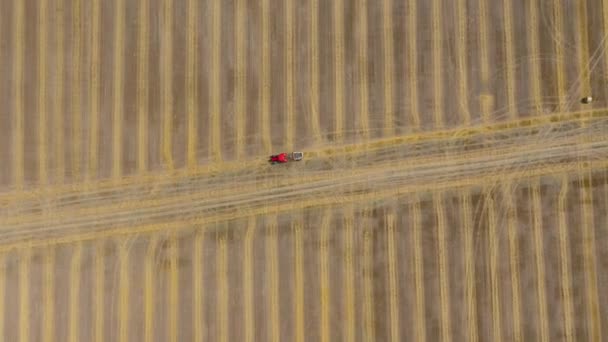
x=286, y=157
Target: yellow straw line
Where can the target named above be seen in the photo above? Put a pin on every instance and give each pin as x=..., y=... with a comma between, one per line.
x=368, y=286
x=123, y=293
x=461, y=62
x=298, y=282
x=532, y=40
x=75, y=93
x=594, y=327
x=19, y=84
x=191, y=84
x=540, y=262
x=42, y=89
x=74, y=313
x=484, y=60
x=324, y=276
x=24, y=297
x=99, y=290
x=362, y=63
x=2, y=294
x=583, y=47
x=314, y=70
x=240, y=76
x=510, y=70
x=222, y=289
x=173, y=289
x=413, y=62
x=215, y=88
x=119, y=33
x=513, y=261
x=248, y=284
x=437, y=63
x=339, y=67
x=494, y=273
x=289, y=75
x=420, y=312
x=197, y=265
x=272, y=280
x=564, y=248
x=389, y=66
x=264, y=123
x=48, y=323
x=142, y=87
x=58, y=110
x=95, y=86
x=348, y=282
x=444, y=277
x=469, y=267
x=149, y=287
x=559, y=53
x=393, y=289
x=166, y=60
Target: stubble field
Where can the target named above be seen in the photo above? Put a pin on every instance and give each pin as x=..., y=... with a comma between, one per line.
x=453, y=187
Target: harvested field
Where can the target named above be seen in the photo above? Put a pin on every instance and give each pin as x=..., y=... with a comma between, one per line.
x=454, y=187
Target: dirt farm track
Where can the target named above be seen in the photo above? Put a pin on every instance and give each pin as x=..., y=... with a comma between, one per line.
x=454, y=187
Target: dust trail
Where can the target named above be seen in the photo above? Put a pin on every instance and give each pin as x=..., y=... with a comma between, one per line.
x=444, y=278
x=197, y=265
x=18, y=93
x=248, y=281
x=469, y=262
x=118, y=88
x=48, y=321
x=24, y=296
x=564, y=246
x=95, y=85
x=393, y=289
x=142, y=87
x=420, y=320
x=99, y=291
x=324, y=275
x=513, y=260
x=42, y=89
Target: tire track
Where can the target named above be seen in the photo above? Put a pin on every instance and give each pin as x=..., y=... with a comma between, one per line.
x=118, y=88
x=348, y=281
x=74, y=304
x=412, y=74
x=143, y=51
x=240, y=76
x=58, y=92
x=24, y=296
x=173, y=294
x=532, y=28
x=420, y=316
x=42, y=93
x=564, y=246
x=99, y=291
x=444, y=279
x=389, y=67
x=448, y=134
x=222, y=289
x=393, y=289
x=95, y=86
x=76, y=157
x=513, y=261
x=510, y=69
x=272, y=280
x=123, y=292
x=540, y=261
x=339, y=67
x=191, y=83
x=324, y=275
x=149, y=289
x=48, y=320
x=166, y=80
x=461, y=62
x=469, y=262
x=248, y=281
x=199, y=322
x=314, y=73
x=594, y=328
x=298, y=282
x=363, y=123
x=494, y=272
x=18, y=97
x=437, y=39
